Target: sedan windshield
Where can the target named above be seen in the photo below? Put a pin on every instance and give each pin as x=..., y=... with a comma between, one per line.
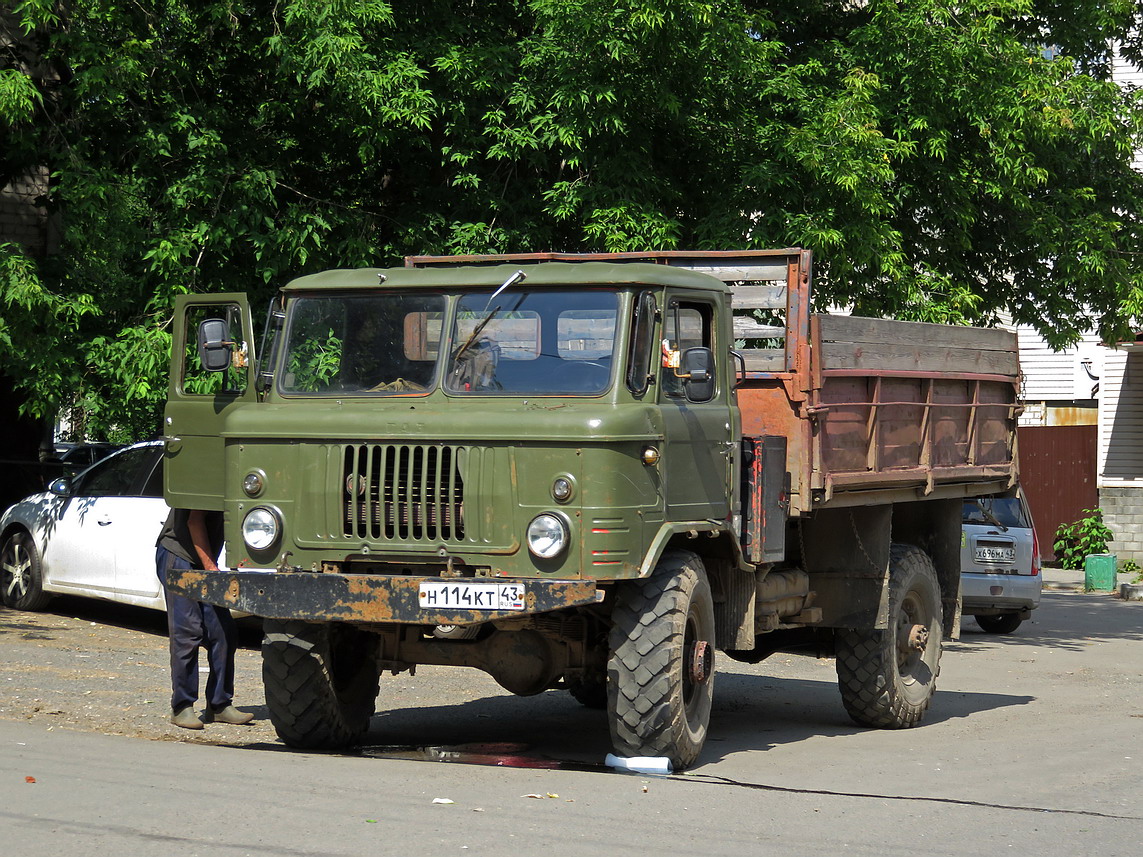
x=519, y=342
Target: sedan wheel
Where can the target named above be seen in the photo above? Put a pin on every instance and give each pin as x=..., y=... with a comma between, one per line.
x=21, y=582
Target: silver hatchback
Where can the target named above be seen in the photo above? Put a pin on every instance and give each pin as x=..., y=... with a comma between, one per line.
x=1000, y=563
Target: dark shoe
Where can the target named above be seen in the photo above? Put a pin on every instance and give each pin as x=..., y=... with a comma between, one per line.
x=186, y=718
x=228, y=714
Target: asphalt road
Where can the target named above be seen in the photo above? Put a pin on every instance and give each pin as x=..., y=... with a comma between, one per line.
x=1033, y=744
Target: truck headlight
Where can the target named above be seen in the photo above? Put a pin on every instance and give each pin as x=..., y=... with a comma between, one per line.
x=260, y=528
x=547, y=536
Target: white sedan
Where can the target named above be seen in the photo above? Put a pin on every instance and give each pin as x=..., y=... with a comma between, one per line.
x=92, y=534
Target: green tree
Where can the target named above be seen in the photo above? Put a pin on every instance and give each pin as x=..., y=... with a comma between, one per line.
x=938, y=158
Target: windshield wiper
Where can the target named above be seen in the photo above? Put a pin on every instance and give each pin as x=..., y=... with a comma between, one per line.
x=518, y=277
x=988, y=516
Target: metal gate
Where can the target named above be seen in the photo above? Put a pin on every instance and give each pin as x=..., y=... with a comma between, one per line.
x=1057, y=471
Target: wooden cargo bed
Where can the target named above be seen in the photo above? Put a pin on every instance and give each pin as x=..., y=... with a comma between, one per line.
x=877, y=410
x=911, y=405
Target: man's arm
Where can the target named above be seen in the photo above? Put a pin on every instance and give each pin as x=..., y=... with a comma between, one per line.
x=196, y=525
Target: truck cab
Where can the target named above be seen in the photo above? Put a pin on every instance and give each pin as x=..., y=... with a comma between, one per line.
x=503, y=421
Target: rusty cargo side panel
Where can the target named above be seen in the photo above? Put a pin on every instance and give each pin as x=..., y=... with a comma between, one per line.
x=879, y=411
x=910, y=407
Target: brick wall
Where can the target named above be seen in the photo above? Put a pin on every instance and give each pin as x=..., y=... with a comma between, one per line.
x=23, y=216
x=1123, y=513
x=24, y=219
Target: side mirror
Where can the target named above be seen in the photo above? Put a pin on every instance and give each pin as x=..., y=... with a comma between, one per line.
x=214, y=345
x=61, y=487
x=697, y=370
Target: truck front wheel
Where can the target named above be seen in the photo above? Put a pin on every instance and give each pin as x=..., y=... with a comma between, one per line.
x=321, y=682
x=660, y=676
x=888, y=678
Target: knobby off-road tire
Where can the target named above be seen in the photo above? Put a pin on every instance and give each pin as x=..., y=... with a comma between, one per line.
x=21, y=575
x=321, y=682
x=888, y=678
x=658, y=697
x=1005, y=623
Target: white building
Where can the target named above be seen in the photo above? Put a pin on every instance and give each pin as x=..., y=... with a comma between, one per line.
x=1059, y=387
x=1120, y=447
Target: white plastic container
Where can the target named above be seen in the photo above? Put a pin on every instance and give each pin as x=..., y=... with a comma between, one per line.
x=639, y=764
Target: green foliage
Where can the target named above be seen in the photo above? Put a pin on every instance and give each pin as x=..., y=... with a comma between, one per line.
x=1130, y=568
x=314, y=362
x=1089, y=535
x=18, y=96
x=941, y=166
x=38, y=331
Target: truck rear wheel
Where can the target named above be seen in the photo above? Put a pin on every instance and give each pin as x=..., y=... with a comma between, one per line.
x=321, y=682
x=888, y=678
x=660, y=677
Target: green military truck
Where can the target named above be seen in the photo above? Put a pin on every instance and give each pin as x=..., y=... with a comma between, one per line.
x=589, y=472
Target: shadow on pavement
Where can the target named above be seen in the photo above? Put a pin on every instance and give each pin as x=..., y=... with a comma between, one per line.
x=552, y=730
x=1064, y=620
x=123, y=616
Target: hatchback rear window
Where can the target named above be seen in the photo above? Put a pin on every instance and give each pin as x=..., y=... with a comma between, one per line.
x=1006, y=511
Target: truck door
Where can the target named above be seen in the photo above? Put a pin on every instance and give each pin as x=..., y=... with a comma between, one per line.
x=199, y=402
x=698, y=432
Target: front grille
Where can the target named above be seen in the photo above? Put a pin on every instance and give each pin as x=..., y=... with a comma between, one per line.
x=403, y=492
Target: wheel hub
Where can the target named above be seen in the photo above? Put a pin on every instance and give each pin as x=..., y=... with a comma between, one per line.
x=17, y=569
x=918, y=637
x=702, y=662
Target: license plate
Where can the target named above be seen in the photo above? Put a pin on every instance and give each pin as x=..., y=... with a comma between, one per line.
x=995, y=553
x=472, y=596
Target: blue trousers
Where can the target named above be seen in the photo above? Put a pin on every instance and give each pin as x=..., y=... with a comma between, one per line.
x=191, y=624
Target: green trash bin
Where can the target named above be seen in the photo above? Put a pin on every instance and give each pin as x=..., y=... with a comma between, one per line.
x=1099, y=572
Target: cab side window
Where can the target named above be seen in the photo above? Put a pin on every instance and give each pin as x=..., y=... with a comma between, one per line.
x=640, y=361
x=685, y=325
x=196, y=380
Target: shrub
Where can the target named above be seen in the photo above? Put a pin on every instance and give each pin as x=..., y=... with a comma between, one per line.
x=1131, y=567
x=1086, y=536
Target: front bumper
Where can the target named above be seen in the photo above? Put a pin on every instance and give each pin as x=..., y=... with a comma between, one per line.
x=321, y=597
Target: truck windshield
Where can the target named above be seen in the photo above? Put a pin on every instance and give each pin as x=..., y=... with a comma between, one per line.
x=522, y=342
x=533, y=342
x=378, y=344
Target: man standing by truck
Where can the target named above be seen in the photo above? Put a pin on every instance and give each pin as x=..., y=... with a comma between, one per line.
x=193, y=539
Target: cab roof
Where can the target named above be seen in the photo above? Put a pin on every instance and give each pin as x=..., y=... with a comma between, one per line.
x=541, y=274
